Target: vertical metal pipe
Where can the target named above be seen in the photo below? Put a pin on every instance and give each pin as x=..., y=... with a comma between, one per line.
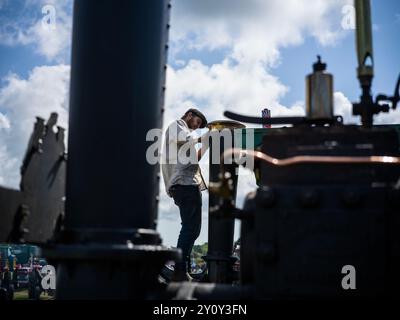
x=365, y=70
x=364, y=38
x=117, y=87
x=118, y=58
x=220, y=230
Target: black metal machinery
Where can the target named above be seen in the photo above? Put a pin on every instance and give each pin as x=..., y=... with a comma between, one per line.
x=117, y=91
x=34, y=212
x=30, y=214
x=328, y=195
x=219, y=257
x=311, y=218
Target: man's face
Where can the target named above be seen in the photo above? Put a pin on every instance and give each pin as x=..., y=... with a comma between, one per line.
x=194, y=122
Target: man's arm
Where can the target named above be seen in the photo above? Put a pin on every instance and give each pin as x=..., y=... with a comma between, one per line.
x=180, y=136
x=204, y=140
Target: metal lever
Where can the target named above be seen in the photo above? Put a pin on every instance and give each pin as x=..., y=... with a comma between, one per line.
x=280, y=120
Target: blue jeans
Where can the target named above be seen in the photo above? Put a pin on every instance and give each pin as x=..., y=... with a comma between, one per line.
x=188, y=199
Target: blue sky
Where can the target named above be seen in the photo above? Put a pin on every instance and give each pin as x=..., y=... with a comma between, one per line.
x=20, y=54
x=236, y=55
x=342, y=59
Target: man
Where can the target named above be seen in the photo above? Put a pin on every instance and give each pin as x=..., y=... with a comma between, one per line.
x=184, y=182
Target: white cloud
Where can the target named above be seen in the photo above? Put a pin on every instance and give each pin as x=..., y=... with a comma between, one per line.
x=392, y=117
x=225, y=86
x=8, y=165
x=21, y=101
x=12, y=34
x=53, y=43
x=30, y=28
x=4, y=122
x=344, y=107
x=252, y=33
x=254, y=30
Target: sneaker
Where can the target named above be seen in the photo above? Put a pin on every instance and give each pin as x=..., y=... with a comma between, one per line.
x=180, y=273
x=167, y=273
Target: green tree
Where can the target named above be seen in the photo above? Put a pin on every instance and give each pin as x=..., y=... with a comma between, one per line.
x=198, y=252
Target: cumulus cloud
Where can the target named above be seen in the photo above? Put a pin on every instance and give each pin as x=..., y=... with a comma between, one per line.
x=254, y=30
x=44, y=24
x=225, y=86
x=4, y=122
x=392, y=117
x=252, y=33
x=8, y=165
x=53, y=41
x=21, y=101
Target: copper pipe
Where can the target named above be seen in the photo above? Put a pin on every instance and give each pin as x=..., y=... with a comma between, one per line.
x=311, y=159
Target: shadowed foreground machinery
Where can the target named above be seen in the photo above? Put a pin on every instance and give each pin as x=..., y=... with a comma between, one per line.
x=308, y=220
x=328, y=196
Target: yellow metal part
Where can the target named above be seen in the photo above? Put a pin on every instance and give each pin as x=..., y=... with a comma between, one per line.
x=364, y=37
x=225, y=124
x=224, y=187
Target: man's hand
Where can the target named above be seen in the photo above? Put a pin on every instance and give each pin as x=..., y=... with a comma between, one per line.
x=204, y=145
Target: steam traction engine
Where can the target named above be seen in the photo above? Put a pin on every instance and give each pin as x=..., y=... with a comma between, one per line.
x=323, y=223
